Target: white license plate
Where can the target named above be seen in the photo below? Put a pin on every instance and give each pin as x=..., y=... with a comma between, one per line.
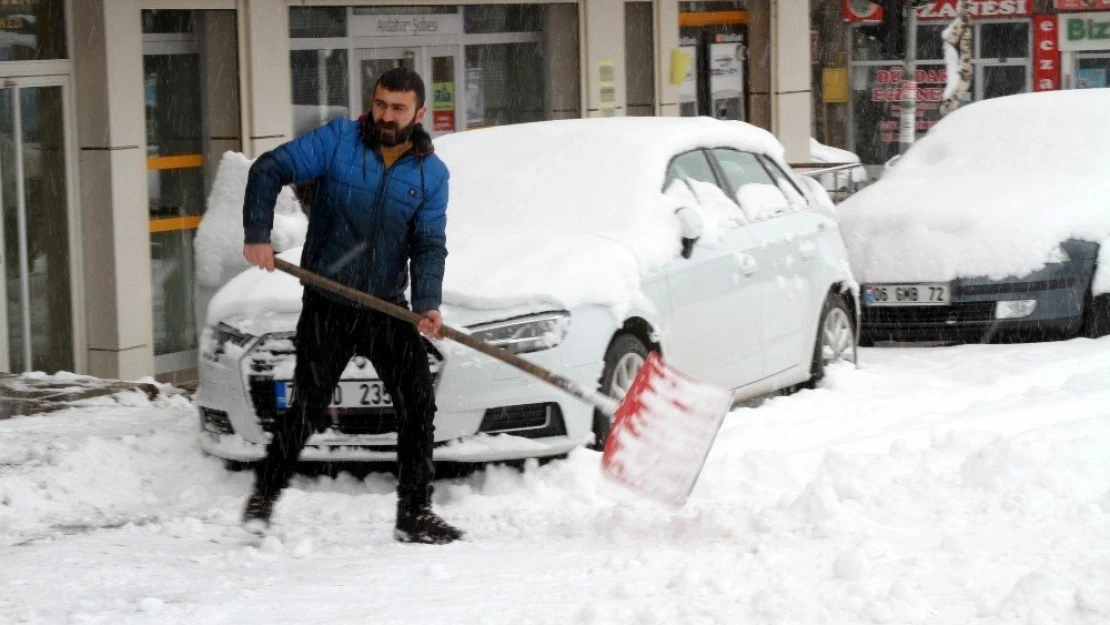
x=347, y=394
x=922, y=294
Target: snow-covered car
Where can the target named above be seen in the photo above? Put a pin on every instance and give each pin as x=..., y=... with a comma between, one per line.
x=994, y=225
x=581, y=245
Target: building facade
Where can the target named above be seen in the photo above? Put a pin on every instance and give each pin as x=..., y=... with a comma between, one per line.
x=1018, y=46
x=114, y=115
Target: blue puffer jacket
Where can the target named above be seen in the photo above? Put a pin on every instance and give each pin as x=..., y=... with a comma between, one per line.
x=367, y=222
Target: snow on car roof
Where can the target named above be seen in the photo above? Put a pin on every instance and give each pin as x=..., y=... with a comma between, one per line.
x=559, y=213
x=989, y=191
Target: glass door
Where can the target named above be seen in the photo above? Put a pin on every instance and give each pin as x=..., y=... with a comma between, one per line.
x=175, y=181
x=369, y=64
x=37, y=314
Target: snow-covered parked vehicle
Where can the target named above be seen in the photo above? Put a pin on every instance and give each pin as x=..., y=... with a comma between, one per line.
x=995, y=225
x=581, y=245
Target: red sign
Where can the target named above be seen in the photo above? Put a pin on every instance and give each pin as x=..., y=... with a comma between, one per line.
x=443, y=121
x=947, y=10
x=1083, y=5
x=1046, y=54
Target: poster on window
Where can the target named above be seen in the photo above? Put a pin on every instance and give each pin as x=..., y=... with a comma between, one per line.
x=877, y=108
x=1090, y=78
x=475, y=97
x=726, y=66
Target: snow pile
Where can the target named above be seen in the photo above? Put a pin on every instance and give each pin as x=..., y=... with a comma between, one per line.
x=989, y=191
x=583, y=196
x=219, y=239
x=933, y=486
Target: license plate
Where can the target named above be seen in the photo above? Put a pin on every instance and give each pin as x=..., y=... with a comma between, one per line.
x=923, y=294
x=347, y=394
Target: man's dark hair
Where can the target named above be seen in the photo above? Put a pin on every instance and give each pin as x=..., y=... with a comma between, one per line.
x=402, y=79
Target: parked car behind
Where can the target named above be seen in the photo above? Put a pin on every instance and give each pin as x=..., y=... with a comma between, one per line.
x=994, y=225
x=581, y=245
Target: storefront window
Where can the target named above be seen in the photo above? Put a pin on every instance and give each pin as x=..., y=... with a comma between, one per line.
x=483, y=65
x=312, y=22
x=33, y=31
x=1007, y=40
x=1093, y=72
x=319, y=87
x=511, y=81
x=876, y=101
x=512, y=18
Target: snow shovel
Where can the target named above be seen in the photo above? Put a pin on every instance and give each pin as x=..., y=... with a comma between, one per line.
x=662, y=430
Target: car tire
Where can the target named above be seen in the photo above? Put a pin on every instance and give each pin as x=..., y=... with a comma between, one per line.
x=623, y=359
x=1096, y=316
x=836, y=339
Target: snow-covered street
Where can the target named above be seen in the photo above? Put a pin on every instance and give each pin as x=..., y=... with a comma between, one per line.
x=949, y=485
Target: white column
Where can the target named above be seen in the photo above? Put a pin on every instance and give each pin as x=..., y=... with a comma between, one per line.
x=604, y=44
x=266, y=80
x=791, y=100
x=114, y=206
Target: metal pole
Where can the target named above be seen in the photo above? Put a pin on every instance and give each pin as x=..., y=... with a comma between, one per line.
x=705, y=91
x=908, y=105
x=21, y=222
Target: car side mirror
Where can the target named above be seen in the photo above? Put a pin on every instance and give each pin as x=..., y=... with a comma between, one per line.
x=692, y=228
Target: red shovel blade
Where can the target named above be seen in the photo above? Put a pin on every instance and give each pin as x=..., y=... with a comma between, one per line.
x=662, y=432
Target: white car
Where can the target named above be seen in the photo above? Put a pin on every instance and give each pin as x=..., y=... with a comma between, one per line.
x=582, y=245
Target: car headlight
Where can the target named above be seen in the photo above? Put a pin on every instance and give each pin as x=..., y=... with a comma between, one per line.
x=525, y=334
x=1058, y=255
x=217, y=337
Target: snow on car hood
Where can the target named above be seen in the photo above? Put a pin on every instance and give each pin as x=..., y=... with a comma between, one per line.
x=988, y=192
x=562, y=214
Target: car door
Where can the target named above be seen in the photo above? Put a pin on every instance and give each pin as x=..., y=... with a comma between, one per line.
x=777, y=228
x=788, y=325
x=716, y=327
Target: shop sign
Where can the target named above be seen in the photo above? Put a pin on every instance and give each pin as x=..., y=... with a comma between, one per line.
x=406, y=25
x=1083, y=32
x=443, y=121
x=946, y=10
x=1046, y=54
x=1083, y=5
x=443, y=96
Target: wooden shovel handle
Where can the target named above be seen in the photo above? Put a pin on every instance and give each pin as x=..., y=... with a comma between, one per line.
x=590, y=396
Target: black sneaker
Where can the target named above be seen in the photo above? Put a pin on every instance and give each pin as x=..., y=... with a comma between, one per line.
x=424, y=526
x=256, y=516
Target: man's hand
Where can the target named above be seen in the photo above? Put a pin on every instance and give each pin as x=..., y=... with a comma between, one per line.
x=260, y=255
x=431, y=323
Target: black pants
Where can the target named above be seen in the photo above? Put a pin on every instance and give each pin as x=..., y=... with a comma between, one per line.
x=329, y=334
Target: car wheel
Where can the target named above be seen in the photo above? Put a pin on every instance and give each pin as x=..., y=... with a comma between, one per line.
x=623, y=359
x=836, y=338
x=1096, y=316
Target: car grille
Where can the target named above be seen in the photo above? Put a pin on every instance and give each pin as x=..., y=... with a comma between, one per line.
x=279, y=350
x=1002, y=288
x=964, y=312
x=215, y=421
x=529, y=421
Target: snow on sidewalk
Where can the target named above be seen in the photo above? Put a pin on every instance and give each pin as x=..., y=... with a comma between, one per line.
x=949, y=485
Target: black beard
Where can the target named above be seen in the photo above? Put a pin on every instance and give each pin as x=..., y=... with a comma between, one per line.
x=400, y=135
